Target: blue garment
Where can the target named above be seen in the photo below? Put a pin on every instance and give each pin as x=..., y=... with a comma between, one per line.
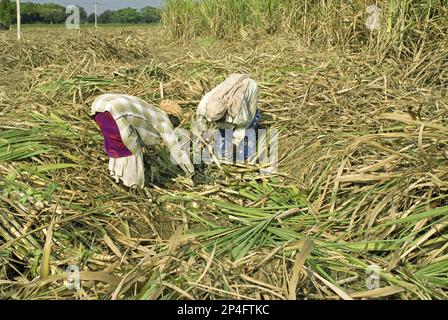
x=225, y=142
x=256, y=122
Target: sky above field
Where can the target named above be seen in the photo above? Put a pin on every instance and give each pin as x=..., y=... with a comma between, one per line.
x=104, y=4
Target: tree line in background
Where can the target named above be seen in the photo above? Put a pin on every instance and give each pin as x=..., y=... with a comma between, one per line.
x=50, y=13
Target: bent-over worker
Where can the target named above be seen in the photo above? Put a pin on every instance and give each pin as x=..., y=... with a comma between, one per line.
x=128, y=124
x=232, y=105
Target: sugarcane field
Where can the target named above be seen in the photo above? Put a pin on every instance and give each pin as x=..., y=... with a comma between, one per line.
x=233, y=150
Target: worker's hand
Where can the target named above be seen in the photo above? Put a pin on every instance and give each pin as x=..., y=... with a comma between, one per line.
x=197, y=179
x=186, y=181
x=189, y=182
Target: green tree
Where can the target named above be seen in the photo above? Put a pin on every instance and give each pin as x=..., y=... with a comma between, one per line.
x=127, y=15
x=91, y=18
x=106, y=17
x=6, y=13
x=82, y=14
x=30, y=12
x=52, y=13
x=150, y=14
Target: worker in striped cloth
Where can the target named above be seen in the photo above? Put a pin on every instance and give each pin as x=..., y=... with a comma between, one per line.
x=128, y=124
x=233, y=104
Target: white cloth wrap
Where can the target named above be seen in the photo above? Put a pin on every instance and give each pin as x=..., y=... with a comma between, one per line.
x=130, y=170
x=242, y=120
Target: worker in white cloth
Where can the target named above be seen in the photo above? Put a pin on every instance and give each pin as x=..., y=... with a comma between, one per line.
x=232, y=105
x=129, y=124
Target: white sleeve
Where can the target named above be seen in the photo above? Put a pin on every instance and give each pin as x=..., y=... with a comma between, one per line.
x=201, y=115
x=178, y=155
x=248, y=105
x=247, y=112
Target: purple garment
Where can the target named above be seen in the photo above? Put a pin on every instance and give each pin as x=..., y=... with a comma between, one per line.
x=113, y=144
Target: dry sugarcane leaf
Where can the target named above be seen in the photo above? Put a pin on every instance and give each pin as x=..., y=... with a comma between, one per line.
x=298, y=267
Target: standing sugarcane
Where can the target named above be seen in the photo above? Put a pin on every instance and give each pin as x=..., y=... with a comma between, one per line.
x=19, y=34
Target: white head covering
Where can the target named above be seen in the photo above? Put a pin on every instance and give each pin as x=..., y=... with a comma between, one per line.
x=227, y=97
